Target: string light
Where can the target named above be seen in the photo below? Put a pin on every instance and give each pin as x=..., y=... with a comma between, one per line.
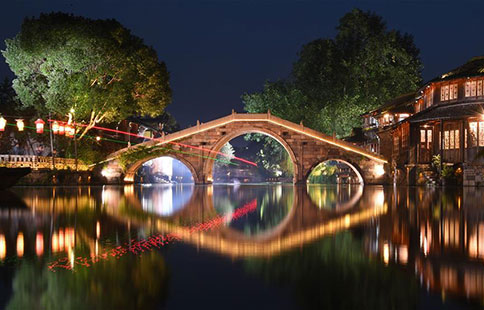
x=171, y=142
x=137, y=247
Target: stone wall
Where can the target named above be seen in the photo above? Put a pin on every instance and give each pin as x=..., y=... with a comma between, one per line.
x=473, y=175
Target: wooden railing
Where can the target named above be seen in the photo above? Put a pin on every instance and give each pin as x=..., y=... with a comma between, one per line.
x=41, y=162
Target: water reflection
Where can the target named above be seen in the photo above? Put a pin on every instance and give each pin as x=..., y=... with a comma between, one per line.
x=336, y=197
x=385, y=246
x=165, y=200
x=274, y=206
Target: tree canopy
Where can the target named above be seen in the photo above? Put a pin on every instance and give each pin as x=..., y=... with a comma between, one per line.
x=97, y=67
x=335, y=80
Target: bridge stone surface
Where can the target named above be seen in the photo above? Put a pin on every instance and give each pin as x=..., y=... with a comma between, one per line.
x=306, y=147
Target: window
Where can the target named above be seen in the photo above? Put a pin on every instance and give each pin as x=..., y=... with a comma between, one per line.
x=473, y=133
x=405, y=135
x=481, y=133
x=429, y=98
x=474, y=88
x=422, y=135
x=446, y=140
x=396, y=143
x=451, y=139
x=453, y=92
x=449, y=92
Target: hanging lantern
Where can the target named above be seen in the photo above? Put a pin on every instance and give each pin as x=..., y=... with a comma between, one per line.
x=73, y=131
x=67, y=130
x=39, y=125
x=3, y=122
x=20, y=124
x=62, y=129
x=55, y=128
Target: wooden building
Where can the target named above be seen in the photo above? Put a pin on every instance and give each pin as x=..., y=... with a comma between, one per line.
x=443, y=119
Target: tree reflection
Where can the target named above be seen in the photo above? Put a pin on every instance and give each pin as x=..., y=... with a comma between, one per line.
x=274, y=205
x=335, y=273
x=130, y=283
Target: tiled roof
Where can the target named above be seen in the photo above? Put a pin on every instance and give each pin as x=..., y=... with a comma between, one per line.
x=401, y=104
x=447, y=112
x=474, y=67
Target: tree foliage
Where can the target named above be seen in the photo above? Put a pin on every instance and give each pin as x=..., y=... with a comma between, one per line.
x=335, y=80
x=96, y=67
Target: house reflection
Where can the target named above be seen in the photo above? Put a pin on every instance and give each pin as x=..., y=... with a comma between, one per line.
x=438, y=234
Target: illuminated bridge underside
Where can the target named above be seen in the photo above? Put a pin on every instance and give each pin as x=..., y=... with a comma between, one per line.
x=306, y=147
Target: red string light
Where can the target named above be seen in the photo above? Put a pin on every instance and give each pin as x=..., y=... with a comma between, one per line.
x=158, y=139
x=155, y=241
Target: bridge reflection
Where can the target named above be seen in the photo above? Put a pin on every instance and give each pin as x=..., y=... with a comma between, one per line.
x=439, y=235
x=286, y=216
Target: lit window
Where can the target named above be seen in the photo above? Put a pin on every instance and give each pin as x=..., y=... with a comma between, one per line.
x=481, y=133
x=451, y=140
x=446, y=140
x=457, y=139
x=473, y=133
x=453, y=92
x=473, y=88
x=468, y=89
x=429, y=138
x=422, y=135
x=479, y=88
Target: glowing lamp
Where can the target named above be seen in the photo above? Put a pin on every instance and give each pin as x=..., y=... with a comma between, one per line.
x=55, y=128
x=3, y=122
x=39, y=125
x=62, y=129
x=73, y=131
x=20, y=124
x=98, y=138
x=379, y=170
x=68, y=131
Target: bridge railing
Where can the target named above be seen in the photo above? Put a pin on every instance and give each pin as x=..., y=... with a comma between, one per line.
x=41, y=162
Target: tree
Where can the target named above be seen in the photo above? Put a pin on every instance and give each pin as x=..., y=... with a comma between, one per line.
x=335, y=80
x=97, y=67
x=224, y=160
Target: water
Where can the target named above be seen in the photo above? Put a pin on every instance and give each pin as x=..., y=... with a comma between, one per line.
x=241, y=247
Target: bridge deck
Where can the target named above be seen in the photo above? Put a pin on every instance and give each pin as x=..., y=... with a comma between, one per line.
x=266, y=117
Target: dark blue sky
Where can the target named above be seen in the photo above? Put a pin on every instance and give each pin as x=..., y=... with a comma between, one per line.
x=216, y=50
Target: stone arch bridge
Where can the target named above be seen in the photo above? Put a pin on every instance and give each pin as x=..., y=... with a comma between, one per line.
x=306, y=148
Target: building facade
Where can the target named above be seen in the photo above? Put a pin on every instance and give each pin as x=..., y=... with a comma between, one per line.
x=435, y=134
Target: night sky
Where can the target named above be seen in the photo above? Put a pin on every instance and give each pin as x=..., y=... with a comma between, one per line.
x=217, y=50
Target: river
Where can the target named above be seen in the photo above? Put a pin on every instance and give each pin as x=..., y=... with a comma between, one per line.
x=241, y=247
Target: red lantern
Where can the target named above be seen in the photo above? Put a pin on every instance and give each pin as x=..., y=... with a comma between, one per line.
x=55, y=128
x=39, y=125
x=62, y=129
x=67, y=129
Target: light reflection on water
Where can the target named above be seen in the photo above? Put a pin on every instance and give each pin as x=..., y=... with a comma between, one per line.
x=430, y=240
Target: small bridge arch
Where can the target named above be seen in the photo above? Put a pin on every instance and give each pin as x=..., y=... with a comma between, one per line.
x=134, y=167
x=306, y=148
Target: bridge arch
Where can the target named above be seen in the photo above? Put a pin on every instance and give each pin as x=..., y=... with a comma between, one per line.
x=133, y=168
x=354, y=167
x=208, y=168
